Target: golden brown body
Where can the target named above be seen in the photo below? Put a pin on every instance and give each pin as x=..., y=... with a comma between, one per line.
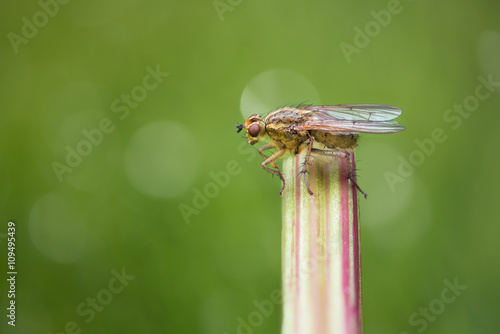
x=336, y=127
x=279, y=127
x=335, y=142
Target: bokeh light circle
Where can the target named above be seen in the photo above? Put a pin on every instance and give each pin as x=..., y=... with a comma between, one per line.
x=276, y=88
x=401, y=208
x=409, y=227
x=162, y=159
x=57, y=229
x=489, y=53
x=385, y=201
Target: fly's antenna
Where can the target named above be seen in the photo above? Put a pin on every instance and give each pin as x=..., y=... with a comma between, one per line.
x=239, y=127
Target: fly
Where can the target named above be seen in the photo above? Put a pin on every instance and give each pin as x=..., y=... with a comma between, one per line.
x=295, y=129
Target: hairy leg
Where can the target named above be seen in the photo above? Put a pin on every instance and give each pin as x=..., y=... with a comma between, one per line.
x=270, y=161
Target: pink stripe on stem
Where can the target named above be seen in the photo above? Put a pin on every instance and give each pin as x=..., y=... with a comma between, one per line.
x=344, y=218
x=357, y=252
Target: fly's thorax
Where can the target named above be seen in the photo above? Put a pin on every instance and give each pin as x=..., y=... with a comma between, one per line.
x=335, y=141
x=289, y=140
x=287, y=116
x=278, y=125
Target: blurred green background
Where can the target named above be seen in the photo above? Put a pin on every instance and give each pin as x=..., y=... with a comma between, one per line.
x=116, y=115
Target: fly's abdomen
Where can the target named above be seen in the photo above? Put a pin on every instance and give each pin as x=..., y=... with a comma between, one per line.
x=335, y=142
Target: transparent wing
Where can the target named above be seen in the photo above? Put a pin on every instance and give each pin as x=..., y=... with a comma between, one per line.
x=350, y=127
x=356, y=112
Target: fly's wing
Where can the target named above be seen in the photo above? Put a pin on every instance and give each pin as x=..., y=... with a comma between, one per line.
x=352, y=118
x=349, y=127
x=356, y=112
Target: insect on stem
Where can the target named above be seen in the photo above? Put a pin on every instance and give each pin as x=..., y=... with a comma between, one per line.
x=336, y=127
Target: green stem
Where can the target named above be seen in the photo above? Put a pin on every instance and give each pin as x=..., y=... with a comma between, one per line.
x=320, y=248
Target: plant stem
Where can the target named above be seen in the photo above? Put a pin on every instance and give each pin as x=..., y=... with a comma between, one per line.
x=320, y=249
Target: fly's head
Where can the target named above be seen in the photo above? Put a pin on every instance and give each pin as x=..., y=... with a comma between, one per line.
x=255, y=128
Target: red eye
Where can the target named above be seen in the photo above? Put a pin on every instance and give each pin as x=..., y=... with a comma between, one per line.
x=254, y=130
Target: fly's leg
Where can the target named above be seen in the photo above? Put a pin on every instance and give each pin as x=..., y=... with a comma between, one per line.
x=350, y=173
x=306, y=163
x=270, y=147
x=270, y=161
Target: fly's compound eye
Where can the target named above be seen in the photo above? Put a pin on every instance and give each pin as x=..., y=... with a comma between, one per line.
x=254, y=130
